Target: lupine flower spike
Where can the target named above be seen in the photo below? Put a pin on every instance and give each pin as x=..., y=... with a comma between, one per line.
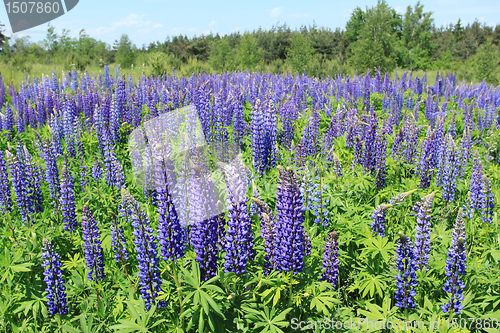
x=330, y=260
x=456, y=267
x=149, y=273
x=53, y=277
x=422, y=236
x=406, y=280
x=92, y=246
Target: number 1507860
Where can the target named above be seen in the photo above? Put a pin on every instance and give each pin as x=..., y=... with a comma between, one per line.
x=25, y=7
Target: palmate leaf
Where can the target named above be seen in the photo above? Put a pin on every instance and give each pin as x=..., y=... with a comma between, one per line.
x=377, y=245
x=34, y=305
x=140, y=319
x=379, y=313
x=373, y=285
x=9, y=265
x=323, y=300
x=199, y=301
x=73, y=262
x=266, y=321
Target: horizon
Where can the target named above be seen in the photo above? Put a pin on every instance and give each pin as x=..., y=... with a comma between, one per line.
x=146, y=25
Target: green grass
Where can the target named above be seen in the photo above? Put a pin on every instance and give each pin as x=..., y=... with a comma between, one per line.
x=11, y=73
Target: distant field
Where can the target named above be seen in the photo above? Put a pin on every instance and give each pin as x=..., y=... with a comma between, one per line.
x=38, y=70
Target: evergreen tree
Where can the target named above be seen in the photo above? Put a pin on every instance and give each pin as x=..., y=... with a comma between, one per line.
x=300, y=52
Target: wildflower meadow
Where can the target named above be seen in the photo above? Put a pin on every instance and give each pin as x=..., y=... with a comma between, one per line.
x=353, y=198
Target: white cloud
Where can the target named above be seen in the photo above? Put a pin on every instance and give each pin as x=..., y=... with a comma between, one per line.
x=276, y=11
x=211, y=24
x=400, y=10
x=131, y=21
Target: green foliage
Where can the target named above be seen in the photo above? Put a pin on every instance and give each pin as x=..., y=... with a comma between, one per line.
x=254, y=301
x=160, y=63
x=376, y=37
x=300, y=52
x=487, y=60
x=247, y=53
x=124, y=53
x=222, y=57
x=375, y=44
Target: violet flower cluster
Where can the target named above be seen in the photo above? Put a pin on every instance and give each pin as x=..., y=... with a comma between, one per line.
x=423, y=210
x=331, y=260
x=92, y=246
x=456, y=267
x=406, y=280
x=145, y=246
x=289, y=223
x=53, y=277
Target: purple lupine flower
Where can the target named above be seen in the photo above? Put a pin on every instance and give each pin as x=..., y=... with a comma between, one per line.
x=311, y=135
x=300, y=154
x=372, y=146
x=456, y=266
x=204, y=240
x=476, y=185
x=358, y=152
x=118, y=242
x=83, y=175
x=68, y=129
x=96, y=170
x=486, y=201
x=67, y=200
x=145, y=246
x=465, y=150
x=452, y=127
x=118, y=175
x=422, y=211
x=20, y=184
x=288, y=116
x=330, y=260
x=170, y=232
x=289, y=224
x=51, y=171
x=450, y=167
x=398, y=143
x=5, y=199
x=107, y=79
x=92, y=246
x=424, y=166
x=8, y=123
x=268, y=234
x=108, y=158
x=238, y=242
x=53, y=277
x=55, y=126
x=34, y=182
x=406, y=280
x=263, y=135
x=315, y=202
x=397, y=199
x=239, y=125
x=336, y=167
x=378, y=216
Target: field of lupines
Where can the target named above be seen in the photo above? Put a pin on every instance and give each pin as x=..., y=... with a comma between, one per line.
x=369, y=199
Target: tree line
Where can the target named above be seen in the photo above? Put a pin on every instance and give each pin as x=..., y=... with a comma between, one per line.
x=374, y=37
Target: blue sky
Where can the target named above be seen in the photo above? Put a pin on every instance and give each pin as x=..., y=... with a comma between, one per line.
x=151, y=20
